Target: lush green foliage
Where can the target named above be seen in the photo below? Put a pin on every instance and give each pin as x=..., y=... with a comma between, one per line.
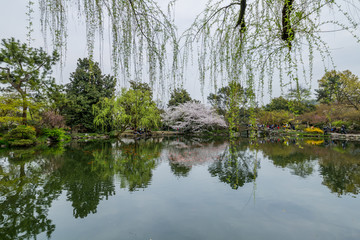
x=179, y=96
x=21, y=136
x=109, y=115
x=139, y=108
x=339, y=87
x=134, y=108
x=56, y=134
x=10, y=110
x=230, y=102
x=294, y=106
x=25, y=70
x=278, y=117
x=87, y=87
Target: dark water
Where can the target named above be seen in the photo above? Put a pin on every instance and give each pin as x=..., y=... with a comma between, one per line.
x=182, y=189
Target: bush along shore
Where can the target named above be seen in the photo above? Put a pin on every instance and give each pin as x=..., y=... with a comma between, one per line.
x=25, y=136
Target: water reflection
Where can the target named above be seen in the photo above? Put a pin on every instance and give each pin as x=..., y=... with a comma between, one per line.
x=26, y=193
x=236, y=166
x=85, y=186
x=89, y=173
x=338, y=161
x=183, y=154
x=290, y=154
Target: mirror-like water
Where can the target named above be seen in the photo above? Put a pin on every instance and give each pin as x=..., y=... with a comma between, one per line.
x=181, y=189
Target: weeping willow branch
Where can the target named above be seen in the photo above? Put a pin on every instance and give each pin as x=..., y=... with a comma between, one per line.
x=241, y=20
x=288, y=33
x=141, y=33
x=273, y=34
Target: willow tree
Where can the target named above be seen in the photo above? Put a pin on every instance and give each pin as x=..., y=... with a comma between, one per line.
x=240, y=40
x=251, y=41
x=139, y=30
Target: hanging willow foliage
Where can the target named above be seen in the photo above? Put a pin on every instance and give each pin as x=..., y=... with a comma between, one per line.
x=251, y=40
x=140, y=32
x=238, y=40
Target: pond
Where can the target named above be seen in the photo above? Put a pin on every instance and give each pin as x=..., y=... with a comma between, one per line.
x=178, y=188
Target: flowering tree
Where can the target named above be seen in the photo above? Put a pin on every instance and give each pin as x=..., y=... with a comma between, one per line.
x=193, y=117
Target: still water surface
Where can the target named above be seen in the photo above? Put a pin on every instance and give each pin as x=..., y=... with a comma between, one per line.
x=181, y=189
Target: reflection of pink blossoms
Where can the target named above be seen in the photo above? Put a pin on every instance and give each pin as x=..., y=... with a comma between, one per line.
x=191, y=155
x=193, y=117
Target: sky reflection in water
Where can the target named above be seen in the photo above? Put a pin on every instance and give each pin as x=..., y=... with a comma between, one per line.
x=182, y=189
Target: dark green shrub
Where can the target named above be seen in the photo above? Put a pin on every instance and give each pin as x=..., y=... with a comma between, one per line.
x=56, y=134
x=21, y=136
x=3, y=142
x=22, y=142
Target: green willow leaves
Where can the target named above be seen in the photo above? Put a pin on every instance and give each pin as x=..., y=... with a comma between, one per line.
x=251, y=41
x=139, y=30
x=246, y=41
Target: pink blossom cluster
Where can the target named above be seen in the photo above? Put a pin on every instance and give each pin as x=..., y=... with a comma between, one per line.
x=193, y=117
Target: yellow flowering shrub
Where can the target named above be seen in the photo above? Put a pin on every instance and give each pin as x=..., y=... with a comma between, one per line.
x=314, y=130
x=314, y=142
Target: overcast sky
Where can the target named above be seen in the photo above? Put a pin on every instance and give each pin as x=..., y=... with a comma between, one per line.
x=345, y=50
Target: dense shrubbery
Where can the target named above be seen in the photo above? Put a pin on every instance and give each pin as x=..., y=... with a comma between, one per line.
x=56, y=134
x=21, y=136
x=334, y=115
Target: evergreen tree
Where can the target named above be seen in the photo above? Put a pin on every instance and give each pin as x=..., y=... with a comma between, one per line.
x=87, y=87
x=25, y=71
x=179, y=96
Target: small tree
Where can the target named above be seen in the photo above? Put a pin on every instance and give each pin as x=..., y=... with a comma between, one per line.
x=226, y=97
x=110, y=115
x=179, y=96
x=53, y=120
x=87, y=87
x=339, y=87
x=193, y=117
x=133, y=108
x=139, y=109
x=299, y=93
x=24, y=70
x=21, y=136
x=329, y=88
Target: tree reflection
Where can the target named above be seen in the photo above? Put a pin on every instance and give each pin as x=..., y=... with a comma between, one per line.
x=179, y=169
x=340, y=167
x=85, y=186
x=183, y=154
x=339, y=163
x=236, y=166
x=135, y=161
x=89, y=170
x=26, y=194
x=31, y=179
x=288, y=154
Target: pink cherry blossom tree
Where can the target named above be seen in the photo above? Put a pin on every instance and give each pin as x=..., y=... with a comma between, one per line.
x=193, y=117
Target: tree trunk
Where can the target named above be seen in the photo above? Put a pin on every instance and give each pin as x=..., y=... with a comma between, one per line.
x=287, y=30
x=24, y=113
x=241, y=20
